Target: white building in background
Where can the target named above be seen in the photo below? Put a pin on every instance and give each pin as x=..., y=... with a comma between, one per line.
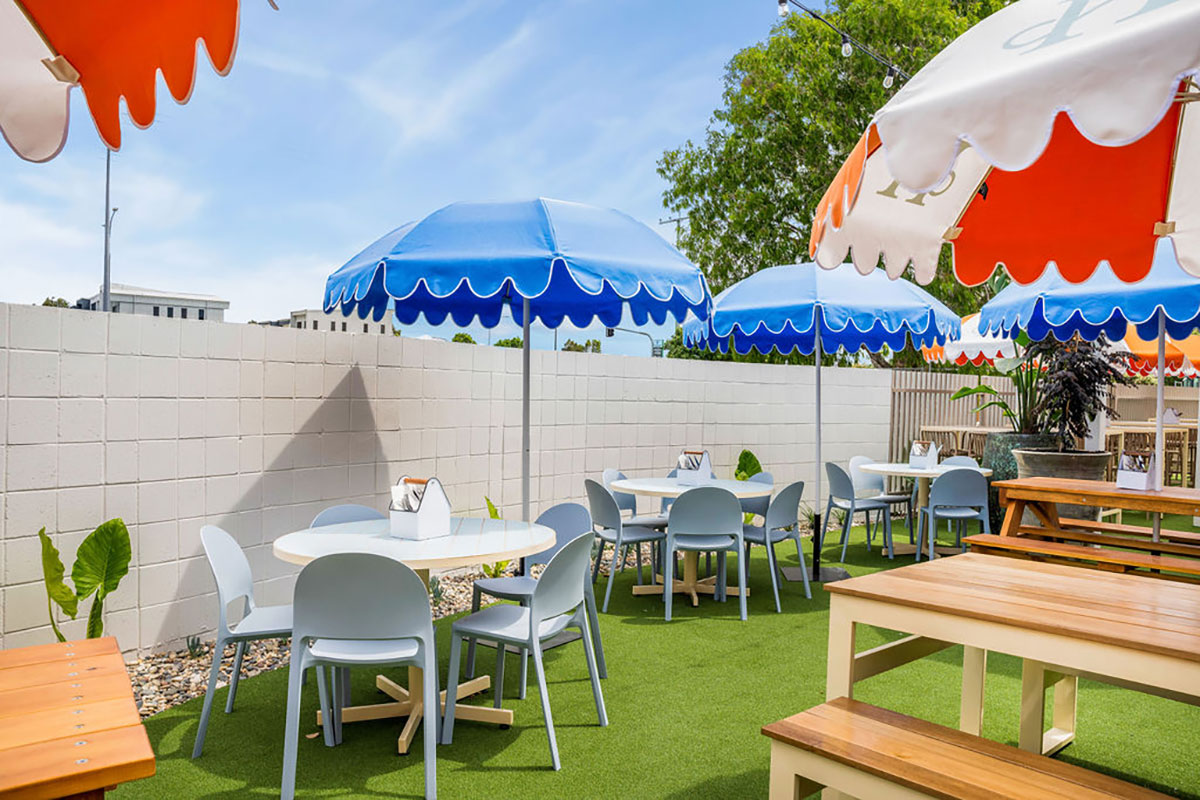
x=315, y=319
x=125, y=299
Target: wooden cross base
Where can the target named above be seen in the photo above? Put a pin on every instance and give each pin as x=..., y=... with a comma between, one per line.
x=691, y=584
x=408, y=703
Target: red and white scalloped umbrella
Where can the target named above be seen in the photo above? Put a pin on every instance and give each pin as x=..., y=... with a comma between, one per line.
x=972, y=347
x=110, y=49
x=1052, y=131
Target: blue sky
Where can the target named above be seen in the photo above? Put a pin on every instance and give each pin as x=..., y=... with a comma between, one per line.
x=340, y=121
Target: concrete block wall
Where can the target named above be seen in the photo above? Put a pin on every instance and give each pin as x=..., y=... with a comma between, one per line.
x=172, y=424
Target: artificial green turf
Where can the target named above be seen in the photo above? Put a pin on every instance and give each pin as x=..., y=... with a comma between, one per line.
x=685, y=700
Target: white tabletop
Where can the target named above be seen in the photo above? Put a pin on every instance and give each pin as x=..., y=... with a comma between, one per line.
x=671, y=487
x=472, y=541
x=903, y=470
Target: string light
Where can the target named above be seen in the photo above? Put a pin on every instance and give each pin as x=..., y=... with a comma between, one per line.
x=849, y=43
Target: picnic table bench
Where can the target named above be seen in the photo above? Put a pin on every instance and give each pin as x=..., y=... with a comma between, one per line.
x=69, y=726
x=866, y=751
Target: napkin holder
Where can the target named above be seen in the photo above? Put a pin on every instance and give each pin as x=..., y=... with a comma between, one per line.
x=1136, y=471
x=697, y=475
x=923, y=455
x=1171, y=416
x=429, y=520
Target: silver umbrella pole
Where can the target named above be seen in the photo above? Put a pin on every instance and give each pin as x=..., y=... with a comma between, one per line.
x=525, y=409
x=1159, y=466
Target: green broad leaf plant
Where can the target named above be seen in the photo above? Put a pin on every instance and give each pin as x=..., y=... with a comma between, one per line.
x=497, y=569
x=100, y=563
x=748, y=465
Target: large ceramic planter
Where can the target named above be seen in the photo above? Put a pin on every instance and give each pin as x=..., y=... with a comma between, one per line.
x=1077, y=464
x=998, y=457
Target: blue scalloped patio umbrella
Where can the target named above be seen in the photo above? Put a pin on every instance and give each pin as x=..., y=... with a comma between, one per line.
x=542, y=259
x=1165, y=302
x=813, y=310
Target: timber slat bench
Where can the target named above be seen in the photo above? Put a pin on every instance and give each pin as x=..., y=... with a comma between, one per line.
x=1033, y=546
x=869, y=752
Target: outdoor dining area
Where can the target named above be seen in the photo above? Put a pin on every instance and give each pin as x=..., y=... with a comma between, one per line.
x=861, y=619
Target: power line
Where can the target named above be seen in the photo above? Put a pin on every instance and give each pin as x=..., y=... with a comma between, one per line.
x=849, y=43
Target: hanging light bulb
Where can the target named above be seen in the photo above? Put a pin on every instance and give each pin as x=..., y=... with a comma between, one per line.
x=890, y=78
x=847, y=48
x=783, y=8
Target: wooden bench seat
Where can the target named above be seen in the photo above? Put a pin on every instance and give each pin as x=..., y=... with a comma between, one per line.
x=869, y=752
x=1170, y=567
x=1111, y=540
x=1185, y=537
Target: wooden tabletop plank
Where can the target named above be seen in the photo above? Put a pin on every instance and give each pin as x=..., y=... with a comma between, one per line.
x=1035, y=603
x=76, y=764
x=58, y=651
x=31, y=699
x=74, y=720
x=1170, y=500
x=69, y=671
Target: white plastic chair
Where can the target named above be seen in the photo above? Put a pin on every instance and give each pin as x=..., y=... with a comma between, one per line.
x=359, y=609
x=558, y=603
x=957, y=495
x=869, y=486
x=843, y=497
x=612, y=529
x=231, y=571
x=568, y=520
x=706, y=519
x=347, y=512
x=780, y=523
x=628, y=502
x=758, y=505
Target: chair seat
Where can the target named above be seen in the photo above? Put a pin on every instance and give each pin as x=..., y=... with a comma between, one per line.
x=265, y=621
x=956, y=512
x=891, y=498
x=507, y=622
x=630, y=534
x=364, y=651
x=693, y=541
x=860, y=504
x=513, y=587
x=647, y=521
x=755, y=534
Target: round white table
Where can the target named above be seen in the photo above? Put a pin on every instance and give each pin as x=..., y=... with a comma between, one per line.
x=471, y=541
x=692, y=584
x=924, y=476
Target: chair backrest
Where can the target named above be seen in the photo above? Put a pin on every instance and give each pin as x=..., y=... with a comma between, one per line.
x=959, y=487
x=625, y=500
x=864, y=481
x=561, y=586
x=785, y=508
x=960, y=461
x=602, y=505
x=569, y=521
x=758, y=505
x=705, y=510
x=348, y=512
x=840, y=485
x=229, y=566
x=360, y=596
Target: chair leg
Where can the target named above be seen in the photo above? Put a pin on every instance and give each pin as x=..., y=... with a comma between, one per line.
x=920, y=534
x=594, y=626
x=803, y=567
x=909, y=516
x=846, y=532
x=451, y=688
x=708, y=565
x=498, y=684
x=476, y=600
x=214, y=673
x=596, y=565
x=774, y=578
x=932, y=535
x=887, y=532
x=637, y=551
x=431, y=720
x=540, y=668
x=291, y=731
x=233, y=677
x=524, y=656
x=742, y=586
x=722, y=577
x=327, y=726
x=612, y=573
x=986, y=519
x=824, y=524
x=593, y=670
x=668, y=593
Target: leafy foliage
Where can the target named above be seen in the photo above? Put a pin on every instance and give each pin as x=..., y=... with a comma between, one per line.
x=747, y=466
x=462, y=337
x=512, y=341
x=194, y=648
x=100, y=563
x=793, y=107
x=1023, y=414
x=56, y=302
x=1076, y=384
x=590, y=346
x=497, y=569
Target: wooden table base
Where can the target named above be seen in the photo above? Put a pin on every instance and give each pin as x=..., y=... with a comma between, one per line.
x=408, y=703
x=691, y=584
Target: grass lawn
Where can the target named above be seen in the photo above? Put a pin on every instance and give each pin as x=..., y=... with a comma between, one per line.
x=685, y=702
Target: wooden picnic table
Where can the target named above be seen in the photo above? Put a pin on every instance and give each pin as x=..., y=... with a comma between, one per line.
x=958, y=431
x=1041, y=496
x=69, y=726
x=1065, y=623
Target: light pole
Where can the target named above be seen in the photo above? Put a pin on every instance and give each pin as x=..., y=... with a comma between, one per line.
x=109, y=213
x=655, y=348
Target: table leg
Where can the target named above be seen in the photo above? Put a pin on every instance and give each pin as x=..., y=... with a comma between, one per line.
x=970, y=718
x=1034, y=680
x=406, y=702
x=839, y=661
x=691, y=584
x=1012, y=518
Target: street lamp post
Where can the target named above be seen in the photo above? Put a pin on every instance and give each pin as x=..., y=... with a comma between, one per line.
x=109, y=213
x=655, y=347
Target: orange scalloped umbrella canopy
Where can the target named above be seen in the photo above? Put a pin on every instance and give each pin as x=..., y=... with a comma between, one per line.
x=118, y=46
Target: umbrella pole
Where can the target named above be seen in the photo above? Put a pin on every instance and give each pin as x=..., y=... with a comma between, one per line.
x=1159, y=466
x=816, y=559
x=525, y=409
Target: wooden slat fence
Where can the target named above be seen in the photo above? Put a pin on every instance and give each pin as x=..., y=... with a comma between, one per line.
x=1136, y=403
x=920, y=397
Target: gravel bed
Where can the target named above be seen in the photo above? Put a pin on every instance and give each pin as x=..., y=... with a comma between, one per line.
x=163, y=680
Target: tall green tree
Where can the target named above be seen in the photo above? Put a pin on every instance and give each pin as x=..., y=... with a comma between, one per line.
x=792, y=109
